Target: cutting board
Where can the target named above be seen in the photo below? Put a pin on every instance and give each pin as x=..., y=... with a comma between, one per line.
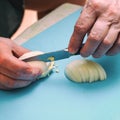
x=56, y=97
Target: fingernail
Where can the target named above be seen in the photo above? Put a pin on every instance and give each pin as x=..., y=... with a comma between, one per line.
x=72, y=50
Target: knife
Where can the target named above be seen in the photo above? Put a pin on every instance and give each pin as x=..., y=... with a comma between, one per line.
x=57, y=55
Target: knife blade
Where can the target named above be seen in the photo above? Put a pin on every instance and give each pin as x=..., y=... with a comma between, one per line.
x=57, y=55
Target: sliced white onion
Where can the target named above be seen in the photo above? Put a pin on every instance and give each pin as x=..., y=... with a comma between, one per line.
x=85, y=71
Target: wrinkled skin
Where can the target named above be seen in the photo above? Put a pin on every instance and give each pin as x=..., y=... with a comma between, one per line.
x=100, y=19
x=13, y=72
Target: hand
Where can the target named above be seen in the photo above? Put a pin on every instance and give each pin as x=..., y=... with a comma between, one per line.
x=13, y=72
x=100, y=19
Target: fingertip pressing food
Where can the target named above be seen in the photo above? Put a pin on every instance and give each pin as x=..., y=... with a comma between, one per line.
x=46, y=67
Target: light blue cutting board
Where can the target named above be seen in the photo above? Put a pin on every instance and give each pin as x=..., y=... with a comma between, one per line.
x=57, y=98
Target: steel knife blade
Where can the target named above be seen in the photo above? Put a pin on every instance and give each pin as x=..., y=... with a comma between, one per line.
x=57, y=55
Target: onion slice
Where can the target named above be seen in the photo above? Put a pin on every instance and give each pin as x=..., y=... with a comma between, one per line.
x=85, y=71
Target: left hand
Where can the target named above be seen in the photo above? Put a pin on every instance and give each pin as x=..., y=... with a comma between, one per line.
x=100, y=19
x=15, y=73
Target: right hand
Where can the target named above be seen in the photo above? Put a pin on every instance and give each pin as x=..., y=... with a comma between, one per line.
x=100, y=20
x=14, y=73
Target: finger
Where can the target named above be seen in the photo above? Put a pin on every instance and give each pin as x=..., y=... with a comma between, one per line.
x=107, y=43
x=13, y=75
x=82, y=26
x=7, y=72
x=97, y=34
x=115, y=49
x=19, y=50
x=8, y=83
x=9, y=45
x=18, y=69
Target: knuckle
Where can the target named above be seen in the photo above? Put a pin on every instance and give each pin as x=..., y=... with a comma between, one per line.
x=27, y=70
x=23, y=72
x=80, y=28
x=113, y=14
x=27, y=73
x=95, y=4
x=107, y=43
x=94, y=37
x=112, y=11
